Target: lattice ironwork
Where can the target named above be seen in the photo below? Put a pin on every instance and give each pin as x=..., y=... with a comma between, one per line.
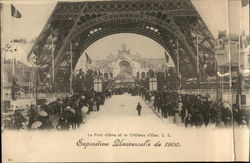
x=82, y=23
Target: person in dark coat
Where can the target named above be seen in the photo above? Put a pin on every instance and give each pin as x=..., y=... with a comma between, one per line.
x=69, y=116
x=91, y=105
x=206, y=115
x=244, y=116
x=18, y=119
x=206, y=112
x=138, y=108
x=63, y=124
x=163, y=109
x=188, y=120
x=46, y=123
x=213, y=111
x=98, y=103
x=219, y=116
x=78, y=117
x=156, y=102
x=32, y=116
x=227, y=117
x=235, y=111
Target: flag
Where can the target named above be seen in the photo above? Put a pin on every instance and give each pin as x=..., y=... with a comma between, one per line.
x=15, y=13
x=166, y=57
x=88, y=59
x=15, y=88
x=244, y=3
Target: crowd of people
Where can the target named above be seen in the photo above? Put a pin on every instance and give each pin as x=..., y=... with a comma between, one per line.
x=70, y=112
x=63, y=113
x=196, y=110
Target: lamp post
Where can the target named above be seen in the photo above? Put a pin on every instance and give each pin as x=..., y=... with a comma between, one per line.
x=217, y=82
x=98, y=85
x=152, y=84
x=37, y=77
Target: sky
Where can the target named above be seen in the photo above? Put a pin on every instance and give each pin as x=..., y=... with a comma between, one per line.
x=35, y=13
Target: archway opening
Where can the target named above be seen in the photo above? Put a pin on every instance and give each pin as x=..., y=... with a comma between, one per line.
x=127, y=56
x=137, y=47
x=125, y=67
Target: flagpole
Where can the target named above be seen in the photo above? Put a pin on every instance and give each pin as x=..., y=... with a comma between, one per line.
x=166, y=73
x=166, y=68
x=13, y=73
x=71, y=66
x=229, y=58
x=37, y=70
x=29, y=83
x=197, y=60
x=218, y=82
x=53, y=62
x=178, y=64
x=13, y=63
x=239, y=58
x=16, y=14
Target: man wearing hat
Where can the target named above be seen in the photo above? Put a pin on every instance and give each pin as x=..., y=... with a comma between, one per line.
x=138, y=108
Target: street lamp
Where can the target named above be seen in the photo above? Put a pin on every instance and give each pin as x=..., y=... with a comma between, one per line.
x=98, y=85
x=152, y=84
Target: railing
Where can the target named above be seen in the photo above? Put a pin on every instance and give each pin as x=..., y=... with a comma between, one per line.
x=40, y=95
x=209, y=91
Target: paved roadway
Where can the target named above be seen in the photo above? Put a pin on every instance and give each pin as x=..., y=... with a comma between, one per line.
x=120, y=113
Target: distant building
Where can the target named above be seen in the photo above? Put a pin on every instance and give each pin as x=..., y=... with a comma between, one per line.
x=24, y=74
x=130, y=64
x=234, y=54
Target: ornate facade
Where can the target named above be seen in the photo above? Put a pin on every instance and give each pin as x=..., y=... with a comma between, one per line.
x=127, y=65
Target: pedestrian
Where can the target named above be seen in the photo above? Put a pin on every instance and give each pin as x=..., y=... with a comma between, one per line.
x=98, y=103
x=219, y=117
x=138, y=108
x=188, y=120
x=32, y=115
x=226, y=116
x=19, y=120
x=78, y=117
x=177, y=109
x=63, y=123
x=213, y=112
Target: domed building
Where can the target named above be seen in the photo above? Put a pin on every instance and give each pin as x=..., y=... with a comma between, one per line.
x=126, y=66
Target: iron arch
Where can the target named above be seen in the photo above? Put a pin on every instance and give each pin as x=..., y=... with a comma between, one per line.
x=144, y=32
x=132, y=24
x=168, y=26
x=173, y=19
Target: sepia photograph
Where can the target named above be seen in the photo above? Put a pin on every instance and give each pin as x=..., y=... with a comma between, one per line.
x=125, y=80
